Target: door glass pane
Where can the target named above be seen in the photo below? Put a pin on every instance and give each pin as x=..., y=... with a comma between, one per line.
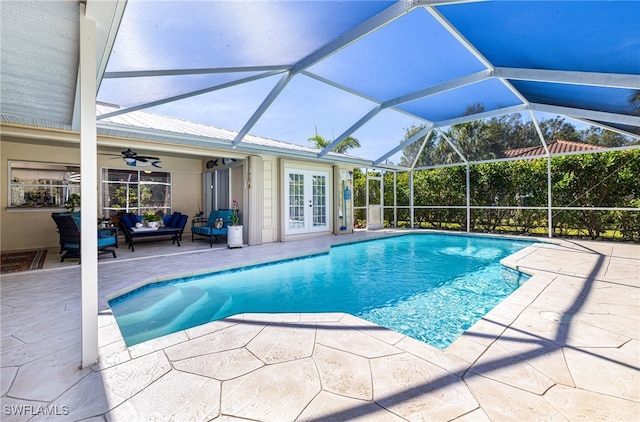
x=296, y=201
x=221, y=194
x=319, y=197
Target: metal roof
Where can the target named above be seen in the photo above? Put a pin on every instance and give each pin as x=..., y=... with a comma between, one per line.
x=367, y=69
x=557, y=147
x=155, y=127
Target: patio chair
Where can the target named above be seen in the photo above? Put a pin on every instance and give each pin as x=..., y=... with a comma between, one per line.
x=208, y=229
x=70, y=238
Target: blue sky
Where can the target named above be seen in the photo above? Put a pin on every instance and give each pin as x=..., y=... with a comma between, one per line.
x=295, y=118
x=411, y=53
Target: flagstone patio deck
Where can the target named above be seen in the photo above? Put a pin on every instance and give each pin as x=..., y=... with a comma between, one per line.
x=565, y=346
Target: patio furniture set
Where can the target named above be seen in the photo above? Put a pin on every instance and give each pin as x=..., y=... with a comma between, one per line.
x=131, y=226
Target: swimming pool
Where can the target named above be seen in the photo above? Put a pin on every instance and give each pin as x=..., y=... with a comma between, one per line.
x=431, y=287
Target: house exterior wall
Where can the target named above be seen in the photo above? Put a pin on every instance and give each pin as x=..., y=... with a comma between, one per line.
x=258, y=186
x=28, y=228
x=32, y=227
x=270, y=203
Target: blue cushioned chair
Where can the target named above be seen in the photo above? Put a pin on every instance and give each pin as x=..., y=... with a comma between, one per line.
x=76, y=216
x=209, y=229
x=69, y=231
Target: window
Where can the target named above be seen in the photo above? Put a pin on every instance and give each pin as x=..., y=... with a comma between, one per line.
x=42, y=185
x=135, y=191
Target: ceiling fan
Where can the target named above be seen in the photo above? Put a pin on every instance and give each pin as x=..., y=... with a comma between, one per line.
x=133, y=159
x=220, y=162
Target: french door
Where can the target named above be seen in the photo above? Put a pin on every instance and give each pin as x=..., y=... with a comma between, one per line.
x=307, y=196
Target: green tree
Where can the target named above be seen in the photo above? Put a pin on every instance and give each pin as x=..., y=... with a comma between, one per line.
x=558, y=129
x=491, y=185
x=606, y=179
x=605, y=138
x=634, y=100
x=410, y=152
x=343, y=147
x=509, y=132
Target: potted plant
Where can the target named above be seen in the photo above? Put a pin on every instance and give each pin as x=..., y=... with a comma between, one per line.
x=152, y=219
x=234, y=231
x=199, y=214
x=72, y=202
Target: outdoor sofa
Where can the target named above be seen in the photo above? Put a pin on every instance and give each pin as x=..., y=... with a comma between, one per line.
x=173, y=228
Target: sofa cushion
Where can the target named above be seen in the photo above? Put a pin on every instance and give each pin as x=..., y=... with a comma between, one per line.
x=127, y=221
x=182, y=221
x=174, y=220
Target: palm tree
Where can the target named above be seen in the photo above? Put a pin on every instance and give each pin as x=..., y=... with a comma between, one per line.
x=634, y=100
x=321, y=143
x=471, y=139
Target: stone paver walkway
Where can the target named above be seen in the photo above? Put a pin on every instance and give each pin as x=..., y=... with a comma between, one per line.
x=565, y=346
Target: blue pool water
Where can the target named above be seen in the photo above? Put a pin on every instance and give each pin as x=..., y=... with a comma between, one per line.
x=427, y=286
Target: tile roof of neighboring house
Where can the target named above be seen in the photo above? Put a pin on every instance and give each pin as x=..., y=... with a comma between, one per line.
x=555, y=147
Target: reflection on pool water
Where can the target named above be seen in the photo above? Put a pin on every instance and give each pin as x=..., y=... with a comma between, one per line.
x=431, y=287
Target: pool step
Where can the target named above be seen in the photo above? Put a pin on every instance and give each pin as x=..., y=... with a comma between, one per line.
x=157, y=317
x=147, y=302
x=183, y=307
x=213, y=303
